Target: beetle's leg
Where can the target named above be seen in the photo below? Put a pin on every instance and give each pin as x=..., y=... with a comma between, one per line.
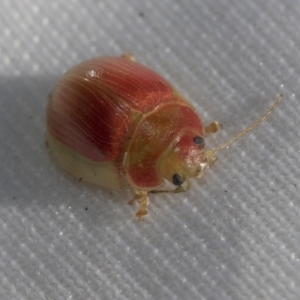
x=129, y=56
x=213, y=127
x=143, y=211
x=143, y=199
x=179, y=189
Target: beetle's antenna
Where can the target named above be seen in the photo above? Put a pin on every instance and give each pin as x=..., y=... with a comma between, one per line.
x=251, y=127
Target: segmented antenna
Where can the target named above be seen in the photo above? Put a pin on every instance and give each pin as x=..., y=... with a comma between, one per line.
x=251, y=127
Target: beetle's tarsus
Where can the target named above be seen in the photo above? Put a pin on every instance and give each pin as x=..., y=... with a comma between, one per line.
x=142, y=198
x=213, y=127
x=141, y=213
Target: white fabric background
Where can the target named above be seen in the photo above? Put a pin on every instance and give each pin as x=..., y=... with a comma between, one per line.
x=234, y=235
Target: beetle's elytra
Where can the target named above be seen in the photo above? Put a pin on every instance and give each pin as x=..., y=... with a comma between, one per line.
x=111, y=120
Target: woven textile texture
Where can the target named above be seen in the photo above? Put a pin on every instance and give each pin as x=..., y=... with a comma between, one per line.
x=234, y=235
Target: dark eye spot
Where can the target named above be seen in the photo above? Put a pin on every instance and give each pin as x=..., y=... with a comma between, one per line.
x=199, y=141
x=177, y=179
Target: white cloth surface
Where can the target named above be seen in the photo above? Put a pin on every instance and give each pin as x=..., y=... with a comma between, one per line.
x=234, y=235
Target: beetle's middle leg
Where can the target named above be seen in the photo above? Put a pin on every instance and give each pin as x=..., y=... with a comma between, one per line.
x=142, y=198
x=213, y=127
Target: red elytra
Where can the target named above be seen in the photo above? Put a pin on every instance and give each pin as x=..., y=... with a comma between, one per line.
x=111, y=119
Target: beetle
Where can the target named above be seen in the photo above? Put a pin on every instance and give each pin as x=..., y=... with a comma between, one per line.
x=111, y=120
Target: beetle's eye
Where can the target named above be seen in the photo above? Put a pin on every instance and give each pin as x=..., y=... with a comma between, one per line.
x=199, y=141
x=177, y=179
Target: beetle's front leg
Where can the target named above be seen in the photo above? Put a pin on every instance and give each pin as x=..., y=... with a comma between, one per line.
x=142, y=197
x=213, y=127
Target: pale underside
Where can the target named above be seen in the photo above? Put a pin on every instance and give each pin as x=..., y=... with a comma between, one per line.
x=99, y=173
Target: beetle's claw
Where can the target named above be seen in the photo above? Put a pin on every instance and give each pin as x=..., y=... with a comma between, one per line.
x=141, y=213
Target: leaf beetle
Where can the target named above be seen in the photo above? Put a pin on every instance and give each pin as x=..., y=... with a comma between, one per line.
x=112, y=120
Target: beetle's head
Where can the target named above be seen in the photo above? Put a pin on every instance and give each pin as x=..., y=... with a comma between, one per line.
x=186, y=159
